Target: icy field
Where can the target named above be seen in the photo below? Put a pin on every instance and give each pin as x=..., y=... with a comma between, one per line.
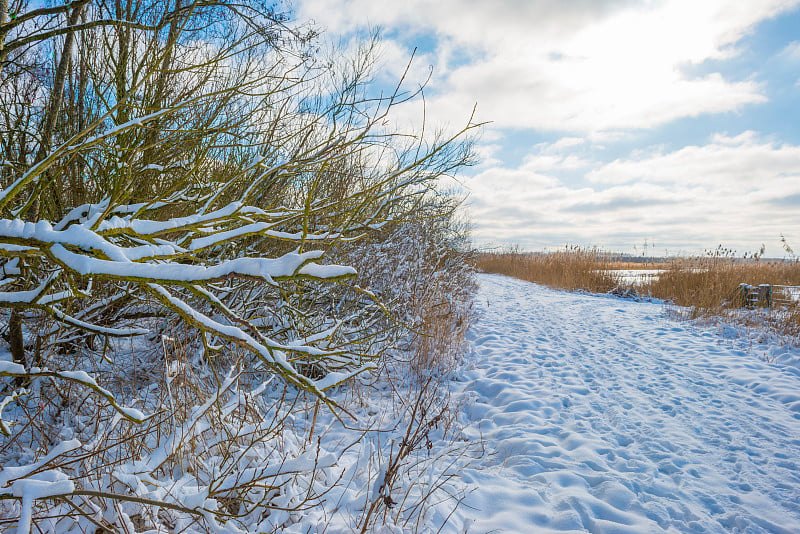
x=601, y=415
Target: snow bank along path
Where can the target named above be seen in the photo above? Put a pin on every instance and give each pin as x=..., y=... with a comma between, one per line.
x=605, y=416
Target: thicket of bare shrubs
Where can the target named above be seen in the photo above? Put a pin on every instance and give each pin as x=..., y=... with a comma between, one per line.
x=217, y=263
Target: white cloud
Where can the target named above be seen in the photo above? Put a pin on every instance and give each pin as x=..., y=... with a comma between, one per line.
x=566, y=143
x=486, y=154
x=550, y=162
x=744, y=163
x=740, y=191
x=396, y=61
x=594, y=72
x=580, y=66
x=791, y=51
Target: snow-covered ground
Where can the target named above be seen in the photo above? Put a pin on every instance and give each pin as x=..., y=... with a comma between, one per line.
x=596, y=414
x=602, y=415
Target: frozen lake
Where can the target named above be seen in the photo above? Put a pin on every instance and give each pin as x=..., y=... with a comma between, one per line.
x=636, y=276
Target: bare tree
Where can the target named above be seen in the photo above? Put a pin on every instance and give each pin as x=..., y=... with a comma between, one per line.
x=203, y=161
x=187, y=168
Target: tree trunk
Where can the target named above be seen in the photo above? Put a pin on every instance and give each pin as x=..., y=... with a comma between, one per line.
x=15, y=338
x=56, y=100
x=3, y=20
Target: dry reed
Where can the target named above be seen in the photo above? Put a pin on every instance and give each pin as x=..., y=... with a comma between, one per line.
x=709, y=287
x=573, y=268
x=708, y=282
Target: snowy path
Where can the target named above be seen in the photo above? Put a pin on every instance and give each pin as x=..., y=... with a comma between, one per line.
x=604, y=416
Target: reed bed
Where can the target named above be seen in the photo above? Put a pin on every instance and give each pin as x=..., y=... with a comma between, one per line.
x=574, y=268
x=707, y=284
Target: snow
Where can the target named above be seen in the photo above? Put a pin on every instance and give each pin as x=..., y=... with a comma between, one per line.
x=334, y=378
x=146, y=227
x=84, y=378
x=270, y=353
x=10, y=473
x=31, y=295
x=121, y=332
x=260, y=228
x=264, y=268
x=42, y=485
x=84, y=211
x=316, y=270
x=131, y=413
x=603, y=415
x=11, y=369
x=5, y=401
x=74, y=235
x=81, y=377
x=595, y=414
x=229, y=235
x=38, y=486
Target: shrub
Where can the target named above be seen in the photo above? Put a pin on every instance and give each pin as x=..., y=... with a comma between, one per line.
x=181, y=195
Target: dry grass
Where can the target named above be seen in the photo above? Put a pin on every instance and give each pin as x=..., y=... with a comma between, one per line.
x=572, y=268
x=441, y=334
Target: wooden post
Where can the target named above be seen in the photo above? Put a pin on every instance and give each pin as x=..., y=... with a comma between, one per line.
x=742, y=295
x=765, y=295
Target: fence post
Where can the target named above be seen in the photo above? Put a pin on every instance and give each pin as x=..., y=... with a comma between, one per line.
x=765, y=295
x=741, y=296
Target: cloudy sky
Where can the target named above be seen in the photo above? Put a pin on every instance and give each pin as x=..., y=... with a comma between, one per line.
x=613, y=122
